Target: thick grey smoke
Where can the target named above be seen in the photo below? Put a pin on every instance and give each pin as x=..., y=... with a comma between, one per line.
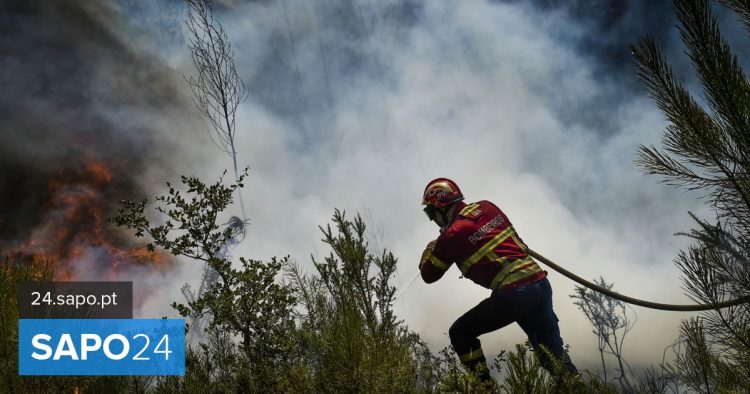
x=356, y=105
x=87, y=120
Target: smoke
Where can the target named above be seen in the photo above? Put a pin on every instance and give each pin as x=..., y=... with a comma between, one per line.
x=61, y=69
x=88, y=120
x=356, y=105
x=534, y=108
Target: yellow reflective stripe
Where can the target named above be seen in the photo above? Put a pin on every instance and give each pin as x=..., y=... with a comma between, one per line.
x=438, y=263
x=509, y=268
x=467, y=209
x=488, y=247
x=495, y=258
x=515, y=271
x=521, y=275
x=523, y=246
x=471, y=355
x=521, y=267
x=502, y=274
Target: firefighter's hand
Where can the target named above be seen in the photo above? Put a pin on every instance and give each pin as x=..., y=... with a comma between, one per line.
x=427, y=252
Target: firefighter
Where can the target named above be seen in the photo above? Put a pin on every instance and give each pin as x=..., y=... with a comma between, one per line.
x=481, y=241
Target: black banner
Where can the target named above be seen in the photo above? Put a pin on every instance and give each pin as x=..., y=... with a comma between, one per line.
x=75, y=300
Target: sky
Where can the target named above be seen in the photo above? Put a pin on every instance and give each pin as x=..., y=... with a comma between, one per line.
x=533, y=105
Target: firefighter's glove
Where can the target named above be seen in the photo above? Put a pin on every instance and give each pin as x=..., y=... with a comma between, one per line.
x=427, y=252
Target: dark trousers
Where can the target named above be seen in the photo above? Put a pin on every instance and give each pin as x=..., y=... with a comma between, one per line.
x=530, y=306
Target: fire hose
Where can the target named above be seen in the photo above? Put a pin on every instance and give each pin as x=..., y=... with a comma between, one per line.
x=635, y=301
x=615, y=295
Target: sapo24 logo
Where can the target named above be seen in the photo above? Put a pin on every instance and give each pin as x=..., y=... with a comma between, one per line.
x=101, y=347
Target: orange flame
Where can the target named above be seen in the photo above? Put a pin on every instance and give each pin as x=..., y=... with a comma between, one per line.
x=76, y=224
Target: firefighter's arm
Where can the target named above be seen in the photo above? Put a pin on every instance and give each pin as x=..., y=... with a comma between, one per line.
x=431, y=267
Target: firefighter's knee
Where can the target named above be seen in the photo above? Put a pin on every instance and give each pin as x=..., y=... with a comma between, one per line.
x=456, y=333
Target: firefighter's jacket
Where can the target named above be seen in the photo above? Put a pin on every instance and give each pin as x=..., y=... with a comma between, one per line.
x=481, y=241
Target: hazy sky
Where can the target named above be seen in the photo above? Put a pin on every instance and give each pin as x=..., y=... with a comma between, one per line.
x=356, y=105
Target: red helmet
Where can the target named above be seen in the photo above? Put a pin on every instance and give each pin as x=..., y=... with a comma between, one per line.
x=441, y=192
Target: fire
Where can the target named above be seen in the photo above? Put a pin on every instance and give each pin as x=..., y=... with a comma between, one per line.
x=99, y=171
x=75, y=237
